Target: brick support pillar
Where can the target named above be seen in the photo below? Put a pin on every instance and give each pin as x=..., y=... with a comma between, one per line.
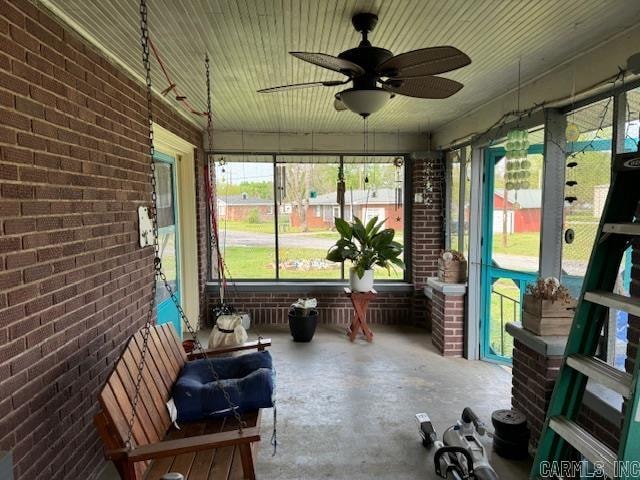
x=447, y=316
x=534, y=374
x=427, y=227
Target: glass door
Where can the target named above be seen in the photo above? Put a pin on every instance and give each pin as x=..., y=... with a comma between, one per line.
x=510, y=248
x=167, y=207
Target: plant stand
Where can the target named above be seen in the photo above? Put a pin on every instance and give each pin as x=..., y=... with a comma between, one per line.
x=360, y=302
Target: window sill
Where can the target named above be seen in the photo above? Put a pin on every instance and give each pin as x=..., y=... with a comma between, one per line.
x=306, y=287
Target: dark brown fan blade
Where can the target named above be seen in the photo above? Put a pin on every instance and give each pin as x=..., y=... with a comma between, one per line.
x=423, y=62
x=332, y=63
x=424, y=87
x=293, y=86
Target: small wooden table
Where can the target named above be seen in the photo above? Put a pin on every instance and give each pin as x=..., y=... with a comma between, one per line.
x=360, y=302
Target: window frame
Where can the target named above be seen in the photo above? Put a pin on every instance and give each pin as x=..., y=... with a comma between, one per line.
x=407, y=205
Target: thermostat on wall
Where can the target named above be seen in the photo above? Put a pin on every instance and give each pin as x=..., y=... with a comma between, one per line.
x=145, y=226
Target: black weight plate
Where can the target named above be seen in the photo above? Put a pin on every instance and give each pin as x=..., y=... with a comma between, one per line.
x=510, y=450
x=509, y=423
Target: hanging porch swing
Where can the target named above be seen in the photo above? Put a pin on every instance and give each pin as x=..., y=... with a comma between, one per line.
x=155, y=382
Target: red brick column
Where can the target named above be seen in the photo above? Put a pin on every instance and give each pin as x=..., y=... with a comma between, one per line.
x=534, y=376
x=427, y=220
x=447, y=317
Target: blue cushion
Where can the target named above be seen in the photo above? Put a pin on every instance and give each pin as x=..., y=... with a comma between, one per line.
x=249, y=380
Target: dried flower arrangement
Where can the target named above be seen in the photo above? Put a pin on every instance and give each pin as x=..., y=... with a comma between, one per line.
x=452, y=256
x=452, y=267
x=549, y=288
x=548, y=308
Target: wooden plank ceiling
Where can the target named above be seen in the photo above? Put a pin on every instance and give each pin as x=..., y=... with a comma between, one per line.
x=248, y=41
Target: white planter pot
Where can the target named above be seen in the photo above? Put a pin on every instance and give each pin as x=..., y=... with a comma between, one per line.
x=364, y=284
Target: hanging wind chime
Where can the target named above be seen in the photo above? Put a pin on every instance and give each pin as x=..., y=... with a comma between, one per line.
x=517, y=167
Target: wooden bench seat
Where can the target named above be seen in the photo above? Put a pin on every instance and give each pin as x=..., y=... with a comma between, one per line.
x=217, y=463
x=200, y=450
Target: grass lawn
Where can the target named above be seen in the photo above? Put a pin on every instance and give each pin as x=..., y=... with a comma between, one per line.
x=501, y=341
x=259, y=262
x=528, y=244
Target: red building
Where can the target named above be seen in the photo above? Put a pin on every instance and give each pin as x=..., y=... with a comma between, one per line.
x=524, y=210
x=364, y=204
x=245, y=208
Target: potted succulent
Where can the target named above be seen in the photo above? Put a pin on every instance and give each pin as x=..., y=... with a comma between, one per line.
x=365, y=246
x=548, y=308
x=452, y=267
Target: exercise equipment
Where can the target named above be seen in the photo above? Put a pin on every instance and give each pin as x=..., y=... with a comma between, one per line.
x=460, y=455
x=510, y=434
x=616, y=232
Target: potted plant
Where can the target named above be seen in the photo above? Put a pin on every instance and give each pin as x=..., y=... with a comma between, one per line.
x=303, y=319
x=548, y=308
x=365, y=246
x=452, y=267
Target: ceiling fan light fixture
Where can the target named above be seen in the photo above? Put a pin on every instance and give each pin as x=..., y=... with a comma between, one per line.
x=364, y=102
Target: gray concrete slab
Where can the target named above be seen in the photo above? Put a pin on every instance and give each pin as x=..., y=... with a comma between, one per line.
x=346, y=410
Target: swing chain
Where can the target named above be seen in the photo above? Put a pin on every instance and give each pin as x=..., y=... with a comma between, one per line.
x=157, y=264
x=146, y=330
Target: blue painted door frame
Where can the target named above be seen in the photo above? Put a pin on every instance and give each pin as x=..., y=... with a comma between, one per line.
x=166, y=309
x=490, y=271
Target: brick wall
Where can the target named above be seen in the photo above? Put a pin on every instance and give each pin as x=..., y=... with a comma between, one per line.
x=333, y=308
x=427, y=233
x=533, y=380
x=447, y=323
x=74, y=285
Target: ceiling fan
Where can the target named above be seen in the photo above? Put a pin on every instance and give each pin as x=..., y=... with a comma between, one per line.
x=410, y=73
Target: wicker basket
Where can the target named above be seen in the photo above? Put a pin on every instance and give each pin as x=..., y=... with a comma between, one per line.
x=544, y=317
x=452, y=271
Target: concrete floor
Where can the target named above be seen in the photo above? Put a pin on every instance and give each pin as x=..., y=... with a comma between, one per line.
x=347, y=410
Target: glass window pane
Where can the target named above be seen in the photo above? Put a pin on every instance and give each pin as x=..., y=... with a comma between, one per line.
x=453, y=212
x=632, y=123
x=467, y=201
x=166, y=229
x=592, y=173
x=517, y=212
x=307, y=206
x=375, y=188
x=246, y=219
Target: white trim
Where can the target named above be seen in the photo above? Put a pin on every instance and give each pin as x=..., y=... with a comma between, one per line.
x=551, y=227
x=453, y=289
x=170, y=144
x=474, y=299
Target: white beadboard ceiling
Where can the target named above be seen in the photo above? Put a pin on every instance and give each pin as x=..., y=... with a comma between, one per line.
x=248, y=41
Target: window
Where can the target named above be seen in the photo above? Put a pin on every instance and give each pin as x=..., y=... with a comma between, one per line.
x=244, y=185
x=458, y=183
x=632, y=123
x=587, y=188
x=298, y=194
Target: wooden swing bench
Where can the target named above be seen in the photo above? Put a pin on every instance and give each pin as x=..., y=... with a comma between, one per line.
x=200, y=450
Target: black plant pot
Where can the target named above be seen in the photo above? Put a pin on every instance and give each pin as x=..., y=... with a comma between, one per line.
x=302, y=325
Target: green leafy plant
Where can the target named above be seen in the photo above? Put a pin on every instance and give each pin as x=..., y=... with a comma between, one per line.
x=366, y=245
